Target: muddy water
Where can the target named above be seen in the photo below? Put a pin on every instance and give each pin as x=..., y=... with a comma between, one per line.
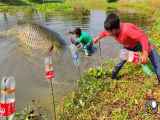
x=29, y=70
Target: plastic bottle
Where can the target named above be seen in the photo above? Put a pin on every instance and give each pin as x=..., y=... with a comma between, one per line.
x=7, y=99
x=134, y=57
x=146, y=69
x=75, y=54
x=130, y=56
x=49, y=72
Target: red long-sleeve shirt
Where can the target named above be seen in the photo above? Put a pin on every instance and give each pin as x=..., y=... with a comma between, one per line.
x=129, y=36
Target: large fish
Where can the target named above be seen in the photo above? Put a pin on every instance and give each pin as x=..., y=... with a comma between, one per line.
x=36, y=37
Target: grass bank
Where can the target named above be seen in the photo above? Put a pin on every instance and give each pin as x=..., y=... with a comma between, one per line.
x=100, y=98
x=70, y=5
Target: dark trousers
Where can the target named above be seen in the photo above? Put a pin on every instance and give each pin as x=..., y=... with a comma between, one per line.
x=153, y=56
x=88, y=47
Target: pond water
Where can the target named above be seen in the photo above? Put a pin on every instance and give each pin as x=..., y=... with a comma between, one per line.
x=29, y=71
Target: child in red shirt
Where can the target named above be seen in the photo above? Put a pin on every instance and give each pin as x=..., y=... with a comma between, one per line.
x=132, y=38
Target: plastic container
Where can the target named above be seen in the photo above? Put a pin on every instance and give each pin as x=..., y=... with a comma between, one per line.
x=49, y=72
x=75, y=54
x=148, y=69
x=130, y=56
x=134, y=57
x=7, y=99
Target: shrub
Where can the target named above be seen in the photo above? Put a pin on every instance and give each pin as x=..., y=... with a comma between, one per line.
x=111, y=1
x=36, y=1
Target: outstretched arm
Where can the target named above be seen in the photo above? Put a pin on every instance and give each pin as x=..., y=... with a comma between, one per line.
x=100, y=36
x=139, y=35
x=145, y=48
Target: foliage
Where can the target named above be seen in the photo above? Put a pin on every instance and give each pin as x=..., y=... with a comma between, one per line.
x=89, y=87
x=100, y=72
x=111, y=1
x=155, y=31
x=32, y=111
x=13, y=2
x=36, y=1
x=99, y=97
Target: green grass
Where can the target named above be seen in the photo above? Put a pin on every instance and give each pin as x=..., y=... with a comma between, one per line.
x=72, y=5
x=33, y=109
x=99, y=97
x=154, y=32
x=53, y=7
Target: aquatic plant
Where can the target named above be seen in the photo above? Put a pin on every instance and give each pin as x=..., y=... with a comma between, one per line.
x=99, y=72
x=32, y=111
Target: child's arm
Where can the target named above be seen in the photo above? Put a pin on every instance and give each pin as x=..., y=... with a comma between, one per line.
x=137, y=34
x=145, y=48
x=100, y=36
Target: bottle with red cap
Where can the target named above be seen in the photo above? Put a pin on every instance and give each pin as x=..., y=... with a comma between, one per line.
x=130, y=56
x=7, y=98
x=49, y=72
x=135, y=58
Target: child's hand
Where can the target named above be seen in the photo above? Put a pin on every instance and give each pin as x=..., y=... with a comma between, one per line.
x=95, y=40
x=78, y=46
x=144, y=57
x=72, y=40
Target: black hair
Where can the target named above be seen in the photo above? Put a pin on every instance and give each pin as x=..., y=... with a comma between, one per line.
x=112, y=22
x=77, y=31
